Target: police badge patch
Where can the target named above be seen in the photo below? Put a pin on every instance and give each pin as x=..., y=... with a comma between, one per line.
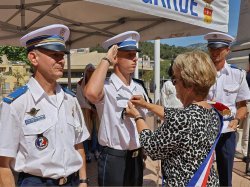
x=41, y=142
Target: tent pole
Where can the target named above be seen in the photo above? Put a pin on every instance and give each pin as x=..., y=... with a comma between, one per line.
x=157, y=70
x=136, y=73
x=157, y=120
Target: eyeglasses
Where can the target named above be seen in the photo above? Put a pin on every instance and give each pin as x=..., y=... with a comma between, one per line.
x=174, y=80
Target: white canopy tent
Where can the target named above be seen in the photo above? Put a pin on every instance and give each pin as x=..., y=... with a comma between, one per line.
x=93, y=21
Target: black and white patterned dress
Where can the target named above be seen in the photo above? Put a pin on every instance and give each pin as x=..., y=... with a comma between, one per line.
x=182, y=142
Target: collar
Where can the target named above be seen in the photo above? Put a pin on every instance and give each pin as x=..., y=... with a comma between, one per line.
x=35, y=88
x=118, y=83
x=37, y=91
x=225, y=69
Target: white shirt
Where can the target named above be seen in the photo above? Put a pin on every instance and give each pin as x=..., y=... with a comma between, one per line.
x=230, y=87
x=114, y=131
x=61, y=122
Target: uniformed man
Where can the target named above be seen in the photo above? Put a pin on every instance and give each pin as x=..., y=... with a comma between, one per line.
x=42, y=127
x=230, y=89
x=120, y=162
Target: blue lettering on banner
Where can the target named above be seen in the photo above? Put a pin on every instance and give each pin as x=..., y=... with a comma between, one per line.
x=35, y=119
x=184, y=6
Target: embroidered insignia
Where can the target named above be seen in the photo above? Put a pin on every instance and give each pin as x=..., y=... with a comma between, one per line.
x=35, y=119
x=41, y=142
x=62, y=32
x=33, y=111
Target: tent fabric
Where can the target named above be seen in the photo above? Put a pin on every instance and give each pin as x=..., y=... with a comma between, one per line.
x=91, y=22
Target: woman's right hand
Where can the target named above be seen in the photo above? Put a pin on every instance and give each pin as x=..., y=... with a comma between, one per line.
x=138, y=100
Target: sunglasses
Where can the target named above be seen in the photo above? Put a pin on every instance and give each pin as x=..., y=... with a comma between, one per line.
x=174, y=80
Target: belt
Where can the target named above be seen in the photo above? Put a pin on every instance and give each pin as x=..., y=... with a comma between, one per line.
x=122, y=153
x=61, y=181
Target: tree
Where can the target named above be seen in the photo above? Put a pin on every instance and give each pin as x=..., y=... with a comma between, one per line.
x=14, y=53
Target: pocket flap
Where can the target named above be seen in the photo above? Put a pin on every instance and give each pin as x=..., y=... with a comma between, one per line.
x=36, y=125
x=231, y=87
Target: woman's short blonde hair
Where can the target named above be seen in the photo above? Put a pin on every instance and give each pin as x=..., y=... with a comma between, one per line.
x=196, y=70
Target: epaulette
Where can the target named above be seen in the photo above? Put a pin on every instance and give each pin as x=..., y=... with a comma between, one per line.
x=14, y=95
x=235, y=67
x=66, y=90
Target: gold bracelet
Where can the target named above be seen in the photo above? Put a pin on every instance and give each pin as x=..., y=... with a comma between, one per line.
x=138, y=117
x=106, y=59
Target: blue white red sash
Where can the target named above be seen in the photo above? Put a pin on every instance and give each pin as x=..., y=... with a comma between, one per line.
x=200, y=177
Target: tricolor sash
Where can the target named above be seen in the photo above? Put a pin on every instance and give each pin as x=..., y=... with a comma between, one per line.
x=200, y=177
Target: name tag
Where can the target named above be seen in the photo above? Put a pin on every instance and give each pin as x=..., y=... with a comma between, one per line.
x=35, y=119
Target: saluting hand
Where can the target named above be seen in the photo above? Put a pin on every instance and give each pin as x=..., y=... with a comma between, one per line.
x=112, y=54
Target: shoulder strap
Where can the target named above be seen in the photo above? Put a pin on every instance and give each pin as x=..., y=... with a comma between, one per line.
x=235, y=67
x=14, y=95
x=66, y=90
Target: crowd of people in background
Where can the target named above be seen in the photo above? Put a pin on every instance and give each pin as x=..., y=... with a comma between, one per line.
x=48, y=133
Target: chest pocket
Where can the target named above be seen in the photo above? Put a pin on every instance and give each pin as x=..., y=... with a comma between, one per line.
x=31, y=132
x=37, y=127
x=231, y=91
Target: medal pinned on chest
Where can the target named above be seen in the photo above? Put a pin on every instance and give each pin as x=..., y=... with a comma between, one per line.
x=41, y=142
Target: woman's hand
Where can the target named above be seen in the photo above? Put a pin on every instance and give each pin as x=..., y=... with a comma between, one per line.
x=131, y=111
x=112, y=54
x=138, y=100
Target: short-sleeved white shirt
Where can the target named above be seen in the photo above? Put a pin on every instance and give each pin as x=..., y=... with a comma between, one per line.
x=230, y=87
x=61, y=122
x=114, y=131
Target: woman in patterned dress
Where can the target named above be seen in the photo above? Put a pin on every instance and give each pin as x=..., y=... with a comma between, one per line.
x=187, y=134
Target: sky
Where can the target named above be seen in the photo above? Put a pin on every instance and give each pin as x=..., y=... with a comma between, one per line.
x=234, y=7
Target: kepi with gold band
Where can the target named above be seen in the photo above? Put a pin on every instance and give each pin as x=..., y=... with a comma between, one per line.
x=52, y=37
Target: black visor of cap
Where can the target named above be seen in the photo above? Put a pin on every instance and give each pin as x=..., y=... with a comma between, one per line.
x=53, y=47
x=217, y=45
x=129, y=48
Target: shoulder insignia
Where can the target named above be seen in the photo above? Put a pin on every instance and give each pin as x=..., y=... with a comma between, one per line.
x=15, y=94
x=234, y=67
x=66, y=90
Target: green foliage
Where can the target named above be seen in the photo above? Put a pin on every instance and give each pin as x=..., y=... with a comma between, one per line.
x=147, y=48
x=167, y=52
x=14, y=53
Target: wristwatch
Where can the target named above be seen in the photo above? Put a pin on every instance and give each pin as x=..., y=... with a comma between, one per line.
x=84, y=180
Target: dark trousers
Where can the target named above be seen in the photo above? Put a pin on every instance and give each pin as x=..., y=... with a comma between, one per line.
x=225, y=151
x=25, y=179
x=120, y=167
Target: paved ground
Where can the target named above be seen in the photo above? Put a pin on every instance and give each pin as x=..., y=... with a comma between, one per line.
x=151, y=177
